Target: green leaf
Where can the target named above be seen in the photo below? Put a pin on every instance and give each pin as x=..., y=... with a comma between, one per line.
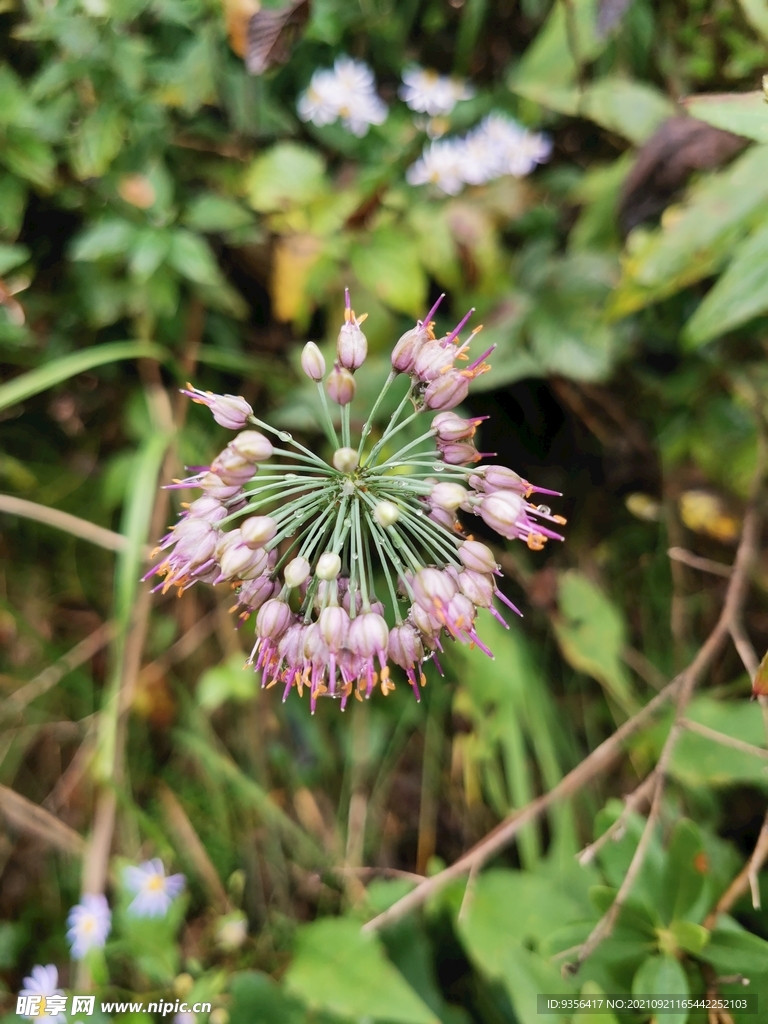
x=732, y=950
x=700, y=761
x=662, y=976
x=286, y=175
x=13, y=201
x=739, y=295
x=387, y=263
x=257, y=999
x=591, y=632
x=568, y=33
x=150, y=247
x=211, y=212
x=632, y=109
x=97, y=142
x=696, y=238
x=12, y=256
x=689, y=936
x=743, y=113
x=756, y=13
x=105, y=239
x=29, y=156
x=64, y=367
x=341, y=969
x=229, y=681
x=191, y=256
x=684, y=872
x=512, y=908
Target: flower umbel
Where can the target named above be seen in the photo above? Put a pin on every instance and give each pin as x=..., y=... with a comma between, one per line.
x=152, y=889
x=346, y=91
x=89, y=922
x=301, y=538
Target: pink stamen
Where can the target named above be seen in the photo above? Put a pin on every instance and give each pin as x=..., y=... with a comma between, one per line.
x=447, y=340
x=481, y=358
x=432, y=311
x=347, y=301
x=503, y=597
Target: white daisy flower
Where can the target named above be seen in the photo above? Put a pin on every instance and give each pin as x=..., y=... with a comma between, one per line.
x=42, y=982
x=427, y=92
x=346, y=91
x=89, y=923
x=153, y=890
x=441, y=163
x=517, y=150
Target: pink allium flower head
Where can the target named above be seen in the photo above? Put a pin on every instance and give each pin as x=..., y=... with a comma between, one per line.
x=327, y=549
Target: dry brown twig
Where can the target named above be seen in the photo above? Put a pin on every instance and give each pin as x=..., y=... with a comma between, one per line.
x=632, y=802
x=682, y=688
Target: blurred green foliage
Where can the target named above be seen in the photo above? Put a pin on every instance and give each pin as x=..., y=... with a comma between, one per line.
x=163, y=213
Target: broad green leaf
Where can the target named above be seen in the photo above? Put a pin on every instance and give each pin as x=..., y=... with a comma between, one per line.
x=513, y=908
x=507, y=910
x=210, y=212
x=229, y=681
x=740, y=294
x=756, y=13
x=684, y=872
x=257, y=999
x=591, y=989
x=286, y=175
x=29, y=156
x=700, y=761
x=13, y=201
x=732, y=950
x=192, y=257
x=105, y=239
x=591, y=632
x=148, y=250
x=12, y=256
x=340, y=969
x=64, y=367
x=662, y=976
x=96, y=142
x=632, y=109
x=689, y=936
x=695, y=238
x=387, y=263
x=569, y=36
x=743, y=113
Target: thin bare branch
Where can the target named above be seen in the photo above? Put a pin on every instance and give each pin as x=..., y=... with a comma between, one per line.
x=632, y=802
x=723, y=739
x=98, y=535
x=744, y=647
x=697, y=562
x=28, y=817
x=50, y=676
x=747, y=878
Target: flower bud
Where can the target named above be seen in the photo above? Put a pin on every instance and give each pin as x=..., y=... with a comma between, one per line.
x=208, y=508
x=432, y=588
x=237, y=560
x=334, y=627
x=256, y=592
x=328, y=566
x=447, y=391
x=450, y=427
x=258, y=530
x=273, y=619
x=424, y=621
x=368, y=634
x=477, y=587
x=232, y=930
x=313, y=362
x=346, y=460
x=477, y=557
x=386, y=513
x=252, y=446
x=443, y=517
x=341, y=385
x=315, y=648
x=458, y=453
x=448, y=495
x=296, y=572
x=195, y=540
x=405, y=647
x=408, y=347
x=232, y=468
x=214, y=486
x=433, y=360
x=501, y=511
x=231, y=411
x=351, y=346
x=497, y=478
